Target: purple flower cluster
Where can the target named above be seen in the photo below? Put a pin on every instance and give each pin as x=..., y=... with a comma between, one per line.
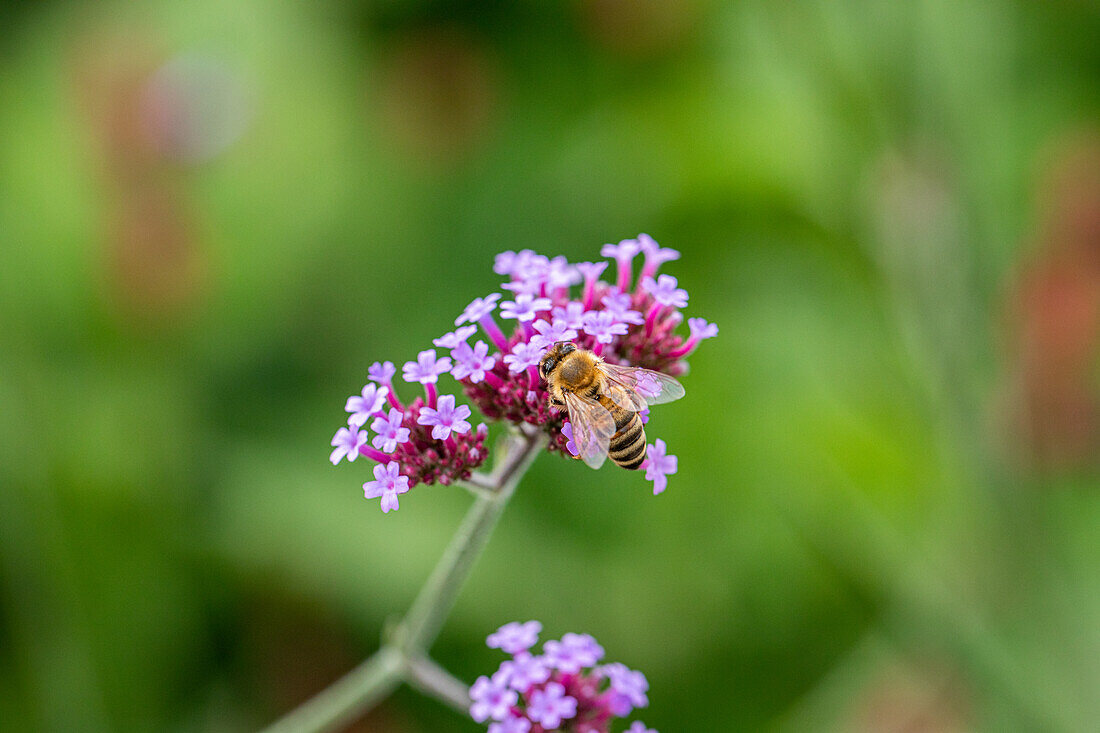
x=429, y=440
x=565, y=688
x=626, y=320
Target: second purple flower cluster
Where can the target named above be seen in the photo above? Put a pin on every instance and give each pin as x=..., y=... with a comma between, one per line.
x=565, y=688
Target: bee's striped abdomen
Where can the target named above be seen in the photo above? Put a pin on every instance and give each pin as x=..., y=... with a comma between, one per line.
x=627, y=447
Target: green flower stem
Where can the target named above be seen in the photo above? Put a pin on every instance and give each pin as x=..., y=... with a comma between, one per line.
x=346, y=699
x=404, y=658
x=432, y=606
x=428, y=677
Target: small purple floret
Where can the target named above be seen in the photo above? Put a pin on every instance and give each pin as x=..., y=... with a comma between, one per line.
x=550, y=705
x=381, y=372
x=514, y=637
x=472, y=361
x=628, y=688
x=523, y=671
x=454, y=338
x=603, y=326
x=347, y=442
x=655, y=255
x=446, y=418
x=572, y=315
x=426, y=369
x=364, y=405
x=490, y=700
x=389, y=432
x=618, y=305
x=478, y=309
x=700, y=329
x=570, y=445
x=549, y=333
x=665, y=292
x=573, y=652
x=388, y=484
x=523, y=355
x=658, y=466
x=524, y=308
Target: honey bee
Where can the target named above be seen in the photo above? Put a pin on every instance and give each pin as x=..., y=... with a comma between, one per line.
x=603, y=401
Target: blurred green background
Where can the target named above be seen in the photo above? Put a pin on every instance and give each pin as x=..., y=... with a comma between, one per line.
x=215, y=215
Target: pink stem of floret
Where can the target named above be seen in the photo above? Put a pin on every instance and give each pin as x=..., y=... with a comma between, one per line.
x=651, y=317
x=649, y=269
x=492, y=330
x=374, y=454
x=494, y=381
x=528, y=329
x=625, y=275
x=687, y=348
x=451, y=444
x=391, y=397
x=430, y=394
x=589, y=292
x=597, y=348
x=532, y=377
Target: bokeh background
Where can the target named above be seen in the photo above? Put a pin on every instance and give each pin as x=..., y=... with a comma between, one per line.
x=214, y=215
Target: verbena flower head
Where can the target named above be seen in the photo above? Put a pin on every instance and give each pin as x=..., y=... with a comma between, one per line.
x=564, y=688
x=626, y=314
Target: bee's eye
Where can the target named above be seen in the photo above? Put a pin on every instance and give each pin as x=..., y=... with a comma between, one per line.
x=548, y=366
x=569, y=348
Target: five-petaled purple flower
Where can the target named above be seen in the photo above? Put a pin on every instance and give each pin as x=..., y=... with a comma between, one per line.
x=524, y=308
x=347, y=441
x=658, y=465
x=550, y=333
x=387, y=484
x=628, y=688
x=515, y=637
x=472, y=362
x=446, y=419
x=550, y=705
x=573, y=652
x=478, y=309
x=665, y=292
x=523, y=671
x=572, y=315
x=389, y=431
x=490, y=700
x=618, y=305
x=365, y=405
x=426, y=369
x=381, y=372
x=522, y=356
x=454, y=338
x=655, y=255
x=603, y=326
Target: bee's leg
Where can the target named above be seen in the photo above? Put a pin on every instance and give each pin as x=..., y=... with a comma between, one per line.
x=555, y=402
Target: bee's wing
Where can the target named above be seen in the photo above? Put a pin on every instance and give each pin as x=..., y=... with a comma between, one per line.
x=644, y=385
x=593, y=427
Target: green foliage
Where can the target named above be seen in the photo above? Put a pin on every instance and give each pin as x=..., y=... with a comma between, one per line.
x=853, y=186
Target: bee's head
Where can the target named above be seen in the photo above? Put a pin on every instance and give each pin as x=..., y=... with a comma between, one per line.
x=553, y=356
